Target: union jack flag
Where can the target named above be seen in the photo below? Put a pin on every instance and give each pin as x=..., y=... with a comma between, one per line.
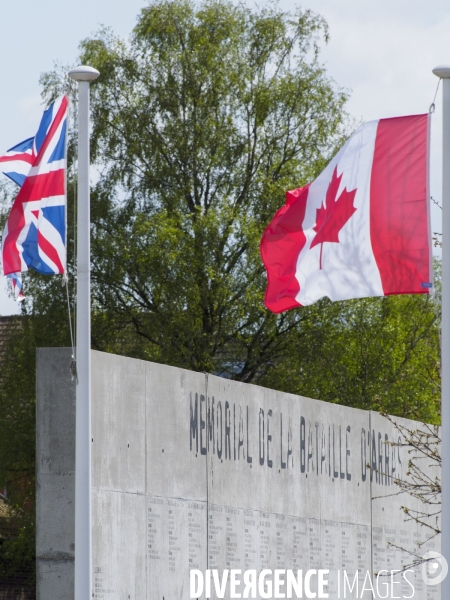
x=35, y=232
x=18, y=160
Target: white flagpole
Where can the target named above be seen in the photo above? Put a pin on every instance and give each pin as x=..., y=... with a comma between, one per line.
x=443, y=71
x=83, y=533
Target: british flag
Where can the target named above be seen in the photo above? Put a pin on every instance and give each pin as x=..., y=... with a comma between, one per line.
x=35, y=232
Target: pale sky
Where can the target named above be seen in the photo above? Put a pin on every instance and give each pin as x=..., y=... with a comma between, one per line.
x=381, y=51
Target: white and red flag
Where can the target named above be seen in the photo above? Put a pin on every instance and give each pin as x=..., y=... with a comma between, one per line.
x=35, y=233
x=360, y=229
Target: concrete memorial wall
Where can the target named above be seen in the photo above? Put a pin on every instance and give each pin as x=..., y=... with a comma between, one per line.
x=195, y=472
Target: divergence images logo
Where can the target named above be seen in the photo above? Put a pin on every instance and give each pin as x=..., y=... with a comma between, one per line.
x=434, y=569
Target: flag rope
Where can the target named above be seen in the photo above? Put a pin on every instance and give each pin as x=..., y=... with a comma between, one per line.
x=75, y=204
x=433, y=105
x=73, y=362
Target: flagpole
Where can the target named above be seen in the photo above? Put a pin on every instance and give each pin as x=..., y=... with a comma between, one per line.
x=443, y=72
x=83, y=530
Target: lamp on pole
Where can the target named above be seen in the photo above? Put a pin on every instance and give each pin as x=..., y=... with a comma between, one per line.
x=443, y=72
x=83, y=530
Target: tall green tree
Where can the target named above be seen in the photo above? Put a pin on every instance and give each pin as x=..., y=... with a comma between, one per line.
x=200, y=124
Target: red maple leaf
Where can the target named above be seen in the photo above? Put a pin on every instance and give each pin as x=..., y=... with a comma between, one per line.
x=333, y=214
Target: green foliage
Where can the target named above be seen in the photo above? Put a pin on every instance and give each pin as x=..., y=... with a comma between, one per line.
x=17, y=414
x=17, y=452
x=18, y=555
x=374, y=353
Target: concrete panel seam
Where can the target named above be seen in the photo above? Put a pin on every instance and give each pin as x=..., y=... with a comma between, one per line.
x=207, y=478
x=56, y=557
x=146, y=469
x=371, y=499
x=112, y=491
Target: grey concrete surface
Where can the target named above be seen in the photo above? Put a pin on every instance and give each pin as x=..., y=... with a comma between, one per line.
x=191, y=471
x=55, y=474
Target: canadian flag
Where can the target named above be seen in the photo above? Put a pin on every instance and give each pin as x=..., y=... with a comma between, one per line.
x=362, y=228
